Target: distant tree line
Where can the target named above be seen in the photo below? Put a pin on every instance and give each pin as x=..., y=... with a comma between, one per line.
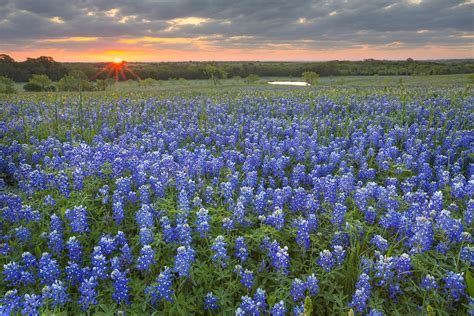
x=24, y=71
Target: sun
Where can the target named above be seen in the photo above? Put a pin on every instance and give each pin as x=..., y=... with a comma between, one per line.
x=118, y=60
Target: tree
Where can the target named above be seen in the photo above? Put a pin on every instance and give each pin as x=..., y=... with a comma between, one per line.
x=148, y=82
x=310, y=77
x=7, y=85
x=75, y=81
x=102, y=85
x=252, y=79
x=39, y=83
x=214, y=73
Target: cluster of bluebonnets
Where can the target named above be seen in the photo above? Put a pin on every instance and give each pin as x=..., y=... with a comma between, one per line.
x=249, y=205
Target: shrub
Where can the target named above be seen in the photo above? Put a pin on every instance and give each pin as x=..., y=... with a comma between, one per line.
x=7, y=85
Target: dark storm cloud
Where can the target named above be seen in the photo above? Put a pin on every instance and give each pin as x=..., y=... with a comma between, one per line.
x=247, y=23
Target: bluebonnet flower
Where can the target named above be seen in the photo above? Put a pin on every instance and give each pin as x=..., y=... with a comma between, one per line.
x=12, y=273
x=248, y=307
x=23, y=234
x=10, y=303
x=144, y=192
x=28, y=260
x=276, y=219
x=380, y=243
x=220, y=251
x=104, y=194
x=422, y=235
x=370, y=215
x=227, y=223
x=146, y=259
x=454, y=285
x=124, y=185
x=453, y=228
x=394, y=290
x=74, y=249
x=163, y=288
x=211, y=302
x=374, y=312
x=183, y=232
x=49, y=200
x=144, y=217
x=48, y=269
x=56, y=242
x=73, y=273
x=88, y=293
x=339, y=254
x=312, y=283
x=298, y=310
x=202, y=222
x=469, y=213
x=118, y=212
x=429, y=283
x=121, y=287
x=241, y=249
x=184, y=258
x=31, y=303
x=326, y=260
x=56, y=292
x=403, y=266
x=279, y=309
x=246, y=276
x=279, y=257
x=362, y=293
x=302, y=233
x=183, y=202
x=62, y=183
x=384, y=269
x=298, y=289
x=260, y=297
x=77, y=218
x=146, y=236
x=467, y=254
x=169, y=233
x=107, y=244
x=126, y=257
x=338, y=215
x=99, y=265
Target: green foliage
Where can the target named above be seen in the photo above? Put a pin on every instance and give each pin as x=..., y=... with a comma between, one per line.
x=471, y=78
x=214, y=73
x=308, y=306
x=310, y=77
x=252, y=79
x=39, y=83
x=75, y=81
x=102, y=85
x=148, y=82
x=6, y=85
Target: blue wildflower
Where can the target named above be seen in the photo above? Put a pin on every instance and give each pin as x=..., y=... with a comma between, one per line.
x=88, y=293
x=211, y=301
x=77, y=218
x=163, y=288
x=146, y=259
x=121, y=287
x=220, y=251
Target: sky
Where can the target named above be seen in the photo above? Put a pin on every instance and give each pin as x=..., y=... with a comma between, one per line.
x=220, y=30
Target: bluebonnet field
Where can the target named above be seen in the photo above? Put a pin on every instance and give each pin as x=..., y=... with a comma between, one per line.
x=247, y=203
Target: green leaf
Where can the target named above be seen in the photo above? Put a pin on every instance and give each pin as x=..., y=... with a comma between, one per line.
x=470, y=283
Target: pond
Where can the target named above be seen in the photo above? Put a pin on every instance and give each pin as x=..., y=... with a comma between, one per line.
x=290, y=83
